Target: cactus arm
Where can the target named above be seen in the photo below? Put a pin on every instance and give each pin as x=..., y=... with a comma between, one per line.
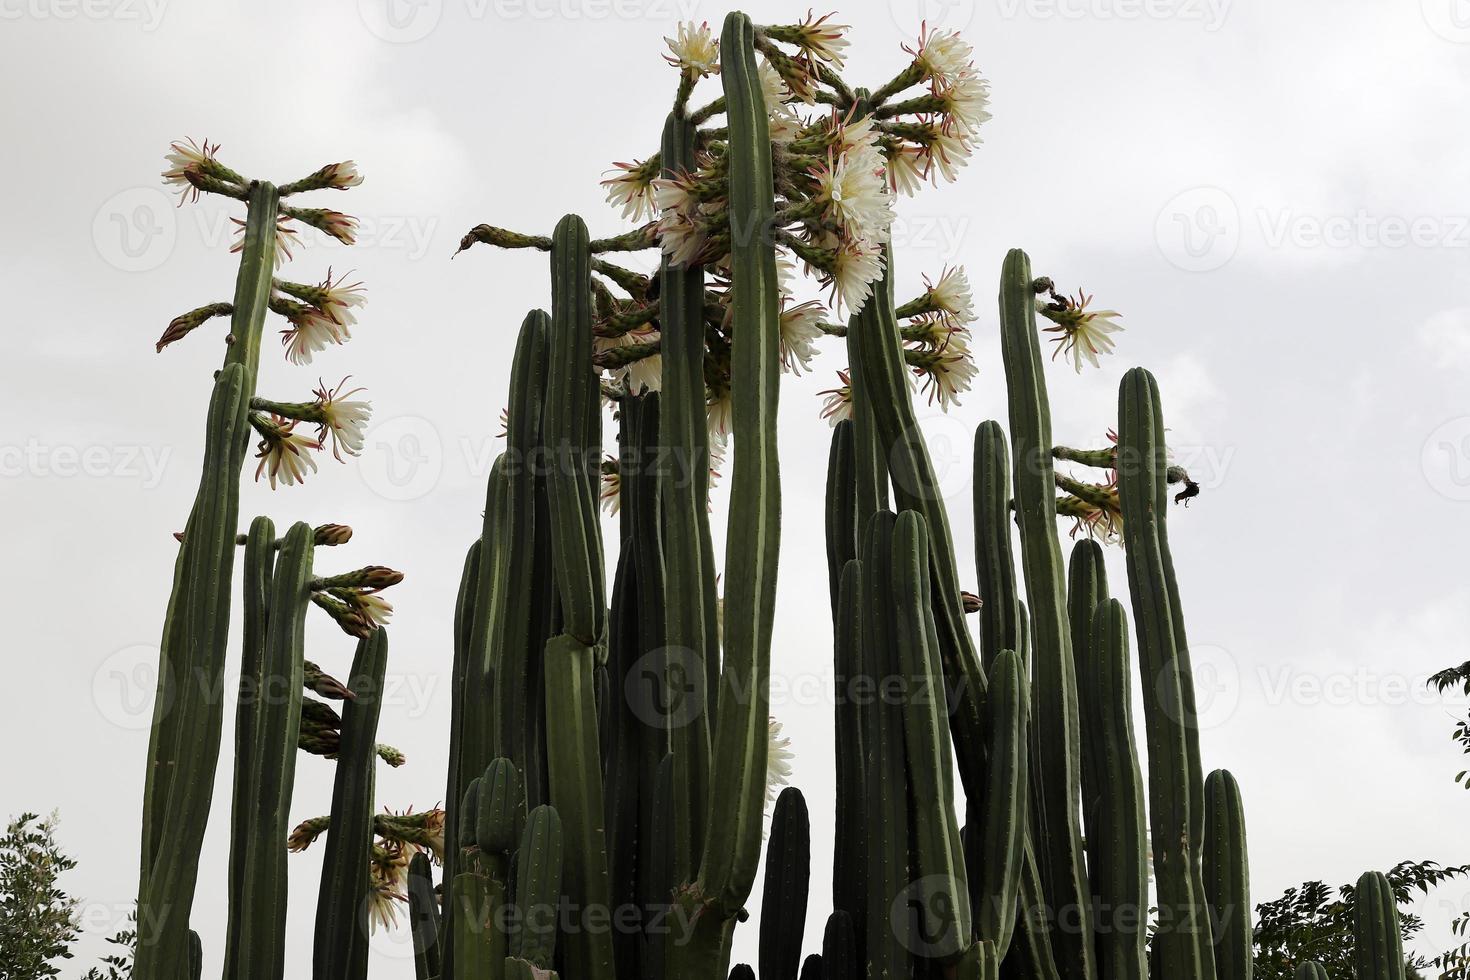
x=994, y=563
x=840, y=948
x=1378, y=952
x=938, y=855
x=1003, y=817
x=463, y=625
x=1311, y=971
x=184, y=746
x=788, y=879
x=841, y=512
x=850, y=851
x=1175, y=782
x=916, y=487
x=512, y=650
x=538, y=888
x=423, y=918
x=1030, y=955
x=259, y=565
x=269, y=717
x=1227, y=876
x=571, y=406
x=1117, y=835
x=340, y=949
x=887, y=811
x=488, y=610
x=571, y=657
x=732, y=838
x=683, y=435
x=576, y=792
x=1055, y=707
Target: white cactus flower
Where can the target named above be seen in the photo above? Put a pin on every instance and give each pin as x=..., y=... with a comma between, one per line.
x=695, y=50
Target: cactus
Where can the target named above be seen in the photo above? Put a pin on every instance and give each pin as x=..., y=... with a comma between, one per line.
x=1055, y=709
x=937, y=852
x=1378, y=952
x=1117, y=838
x=423, y=918
x=1176, y=784
x=788, y=877
x=340, y=949
x=1311, y=971
x=267, y=722
x=1000, y=838
x=1227, y=876
x=538, y=887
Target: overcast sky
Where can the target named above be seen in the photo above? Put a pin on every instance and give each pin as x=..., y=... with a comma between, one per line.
x=1273, y=195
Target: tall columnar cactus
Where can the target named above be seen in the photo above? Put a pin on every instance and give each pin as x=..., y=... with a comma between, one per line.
x=1176, y=784
x=344, y=901
x=1227, y=876
x=538, y=888
x=1378, y=952
x=267, y=725
x=788, y=879
x=1058, y=738
x=999, y=845
x=571, y=657
x=938, y=858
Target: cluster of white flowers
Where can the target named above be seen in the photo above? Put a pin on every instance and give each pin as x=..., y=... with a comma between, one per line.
x=940, y=337
x=1082, y=334
x=324, y=318
x=940, y=141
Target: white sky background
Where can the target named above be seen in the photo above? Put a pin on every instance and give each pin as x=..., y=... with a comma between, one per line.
x=1273, y=194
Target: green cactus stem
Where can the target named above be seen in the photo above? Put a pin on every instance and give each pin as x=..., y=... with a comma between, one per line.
x=1378, y=952
x=1227, y=876
x=340, y=949
x=265, y=762
x=538, y=888
x=788, y=878
x=1113, y=800
x=423, y=917
x=937, y=852
x=995, y=565
x=1001, y=834
x=1058, y=833
x=1176, y=783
